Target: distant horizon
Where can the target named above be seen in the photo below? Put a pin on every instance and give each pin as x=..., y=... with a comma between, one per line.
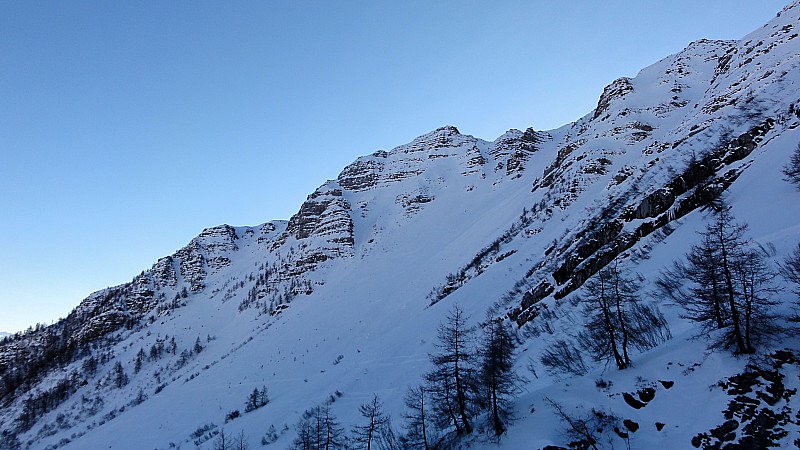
x=132, y=127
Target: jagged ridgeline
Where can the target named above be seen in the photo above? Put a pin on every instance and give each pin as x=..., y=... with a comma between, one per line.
x=335, y=312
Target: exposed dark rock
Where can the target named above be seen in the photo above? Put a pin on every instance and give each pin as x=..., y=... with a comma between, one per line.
x=139, y=296
x=474, y=157
x=420, y=199
x=218, y=262
x=513, y=149
x=441, y=138
x=362, y=174
x=530, y=298
x=630, y=425
x=192, y=263
x=552, y=171
x=617, y=89
x=632, y=401
x=164, y=272
x=218, y=239
x=596, y=167
x=743, y=383
x=756, y=410
x=266, y=229
x=623, y=174
x=655, y=204
x=646, y=394
x=726, y=431
x=605, y=233
x=321, y=215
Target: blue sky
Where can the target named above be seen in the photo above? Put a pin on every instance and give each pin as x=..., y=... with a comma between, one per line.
x=128, y=127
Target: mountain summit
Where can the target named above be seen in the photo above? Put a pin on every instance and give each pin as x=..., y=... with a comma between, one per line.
x=247, y=332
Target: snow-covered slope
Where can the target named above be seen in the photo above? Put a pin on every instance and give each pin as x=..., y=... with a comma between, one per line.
x=343, y=301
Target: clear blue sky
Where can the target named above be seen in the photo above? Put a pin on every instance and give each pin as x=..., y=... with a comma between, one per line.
x=128, y=127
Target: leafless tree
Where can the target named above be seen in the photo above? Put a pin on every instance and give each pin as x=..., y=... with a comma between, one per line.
x=726, y=285
x=452, y=380
x=366, y=435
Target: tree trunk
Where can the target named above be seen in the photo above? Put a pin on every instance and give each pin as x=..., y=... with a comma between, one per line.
x=461, y=396
x=609, y=325
x=422, y=418
x=737, y=329
x=623, y=328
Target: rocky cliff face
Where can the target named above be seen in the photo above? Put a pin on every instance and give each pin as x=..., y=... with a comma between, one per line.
x=512, y=150
x=410, y=160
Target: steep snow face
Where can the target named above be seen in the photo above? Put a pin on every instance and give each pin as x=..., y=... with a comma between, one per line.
x=342, y=301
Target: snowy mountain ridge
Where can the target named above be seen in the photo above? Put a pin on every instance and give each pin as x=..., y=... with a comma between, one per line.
x=342, y=301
